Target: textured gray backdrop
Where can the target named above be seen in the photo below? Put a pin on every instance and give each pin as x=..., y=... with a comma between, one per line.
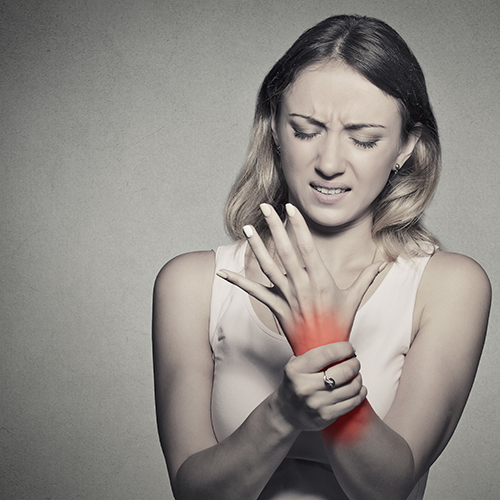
x=123, y=125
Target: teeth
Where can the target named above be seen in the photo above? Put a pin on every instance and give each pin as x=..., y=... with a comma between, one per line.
x=329, y=191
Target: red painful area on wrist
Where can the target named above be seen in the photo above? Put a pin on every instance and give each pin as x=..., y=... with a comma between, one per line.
x=350, y=427
x=316, y=331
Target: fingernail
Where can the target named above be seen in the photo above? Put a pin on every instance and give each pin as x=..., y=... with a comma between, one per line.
x=290, y=209
x=266, y=209
x=222, y=275
x=353, y=347
x=382, y=267
x=248, y=231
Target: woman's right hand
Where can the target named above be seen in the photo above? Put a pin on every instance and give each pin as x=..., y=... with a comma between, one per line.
x=304, y=400
x=311, y=309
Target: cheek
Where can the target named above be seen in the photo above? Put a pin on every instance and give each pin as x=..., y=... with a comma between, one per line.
x=377, y=177
x=291, y=172
x=373, y=177
x=298, y=156
x=379, y=165
x=294, y=161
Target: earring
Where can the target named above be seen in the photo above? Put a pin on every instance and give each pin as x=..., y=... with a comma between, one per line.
x=278, y=149
x=397, y=168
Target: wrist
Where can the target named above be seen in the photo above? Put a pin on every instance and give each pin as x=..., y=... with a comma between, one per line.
x=316, y=331
x=351, y=427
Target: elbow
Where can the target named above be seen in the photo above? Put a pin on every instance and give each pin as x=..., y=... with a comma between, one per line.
x=401, y=482
x=396, y=484
x=183, y=486
x=192, y=482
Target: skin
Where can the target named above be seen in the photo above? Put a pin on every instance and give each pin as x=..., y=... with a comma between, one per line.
x=325, y=251
x=336, y=129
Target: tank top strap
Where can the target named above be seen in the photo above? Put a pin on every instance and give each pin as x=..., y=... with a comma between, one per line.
x=231, y=257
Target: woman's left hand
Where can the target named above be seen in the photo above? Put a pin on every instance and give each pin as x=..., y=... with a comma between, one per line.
x=303, y=297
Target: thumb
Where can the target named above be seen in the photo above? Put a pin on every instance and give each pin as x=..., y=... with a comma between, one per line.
x=358, y=289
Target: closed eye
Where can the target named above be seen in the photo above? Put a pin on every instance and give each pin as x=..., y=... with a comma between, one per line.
x=304, y=136
x=363, y=144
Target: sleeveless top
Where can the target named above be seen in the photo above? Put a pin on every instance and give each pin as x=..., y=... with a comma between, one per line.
x=249, y=359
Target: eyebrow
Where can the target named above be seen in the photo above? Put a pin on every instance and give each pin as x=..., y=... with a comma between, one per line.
x=310, y=119
x=349, y=126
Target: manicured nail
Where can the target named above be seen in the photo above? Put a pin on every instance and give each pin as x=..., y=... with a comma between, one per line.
x=290, y=210
x=248, y=231
x=222, y=275
x=266, y=209
x=382, y=267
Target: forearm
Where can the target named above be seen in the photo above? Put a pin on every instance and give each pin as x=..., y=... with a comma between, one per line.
x=369, y=459
x=242, y=464
x=378, y=464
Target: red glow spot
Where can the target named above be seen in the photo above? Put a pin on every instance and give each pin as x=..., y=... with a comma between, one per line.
x=315, y=331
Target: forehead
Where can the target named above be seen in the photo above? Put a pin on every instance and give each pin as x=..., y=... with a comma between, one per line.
x=336, y=91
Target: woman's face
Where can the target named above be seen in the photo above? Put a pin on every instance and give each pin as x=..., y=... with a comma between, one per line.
x=340, y=138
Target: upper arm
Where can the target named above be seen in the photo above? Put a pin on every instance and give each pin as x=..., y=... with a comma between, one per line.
x=454, y=299
x=183, y=366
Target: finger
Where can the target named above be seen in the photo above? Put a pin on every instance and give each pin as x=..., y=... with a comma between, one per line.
x=342, y=407
x=305, y=243
x=282, y=243
x=342, y=393
x=260, y=292
x=331, y=405
x=319, y=358
x=266, y=262
x=364, y=280
x=341, y=373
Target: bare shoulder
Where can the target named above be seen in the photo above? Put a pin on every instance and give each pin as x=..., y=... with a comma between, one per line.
x=453, y=273
x=181, y=313
x=454, y=289
x=189, y=270
x=182, y=294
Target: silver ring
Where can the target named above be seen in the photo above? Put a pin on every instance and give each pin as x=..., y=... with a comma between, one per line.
x=329, y=382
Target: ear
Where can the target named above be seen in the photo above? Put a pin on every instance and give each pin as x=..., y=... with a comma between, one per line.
x=407, y=148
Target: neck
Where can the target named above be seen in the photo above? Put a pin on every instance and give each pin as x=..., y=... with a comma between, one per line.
x=347, y=251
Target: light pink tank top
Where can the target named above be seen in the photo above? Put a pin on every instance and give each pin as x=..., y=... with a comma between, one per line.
x=249, y=359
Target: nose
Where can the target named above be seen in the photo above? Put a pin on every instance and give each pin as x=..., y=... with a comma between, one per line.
x=331, y=161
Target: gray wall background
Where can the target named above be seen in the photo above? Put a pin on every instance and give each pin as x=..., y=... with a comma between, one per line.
x=123, y=125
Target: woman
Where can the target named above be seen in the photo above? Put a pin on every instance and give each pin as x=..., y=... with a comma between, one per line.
x=260, y=390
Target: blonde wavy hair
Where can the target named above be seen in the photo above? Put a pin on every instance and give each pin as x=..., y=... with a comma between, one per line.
x=377, y=52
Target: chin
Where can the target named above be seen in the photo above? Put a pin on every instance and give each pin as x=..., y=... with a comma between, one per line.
x=333, y=222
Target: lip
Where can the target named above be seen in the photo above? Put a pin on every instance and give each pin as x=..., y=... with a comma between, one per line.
x=329, y=199
x=330, y=185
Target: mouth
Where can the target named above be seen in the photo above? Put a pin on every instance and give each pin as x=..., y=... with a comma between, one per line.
x=330, y=191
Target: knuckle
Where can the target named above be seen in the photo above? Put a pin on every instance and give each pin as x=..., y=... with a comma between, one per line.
x=323, y=289
x=358, y=381
x=354, y=402
x=330, y=353
x=290, y=370
x=324, y=413
x=356, y=385
x=348, y=372
x=301, y=393
x=307, y=248
x=358, y=399
x=356, y=364
x=286, y=252
x=310, y=405
x=267, y=268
